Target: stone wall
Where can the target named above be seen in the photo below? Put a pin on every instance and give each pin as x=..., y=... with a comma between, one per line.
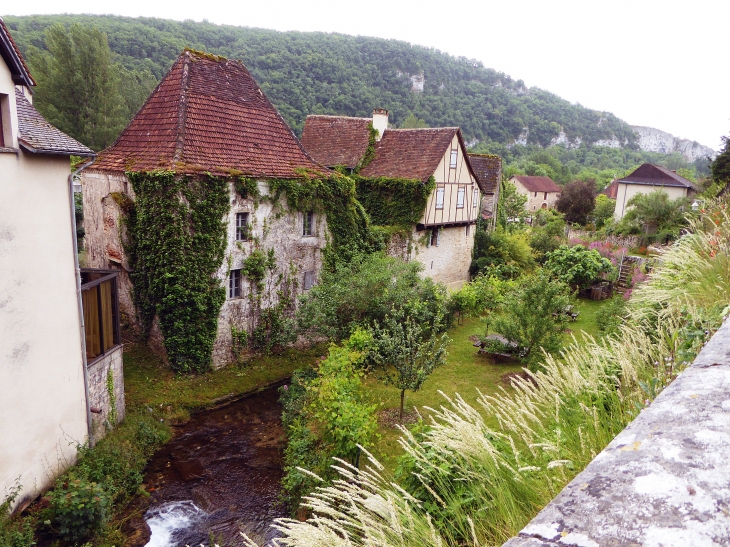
x=104, y=415
x=664, y=480
x=447, y=262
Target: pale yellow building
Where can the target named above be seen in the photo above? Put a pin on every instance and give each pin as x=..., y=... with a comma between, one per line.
x=46, y=390
x=649, y=178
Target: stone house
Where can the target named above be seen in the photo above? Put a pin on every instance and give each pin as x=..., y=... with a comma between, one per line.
x=488, y=170
x=541, y=192
x=208, y=116
x=648, y=178
x=54, y=358
x=443, y=237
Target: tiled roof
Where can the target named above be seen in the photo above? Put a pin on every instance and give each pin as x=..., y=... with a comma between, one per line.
x=488, y=170
x=410, y=153
x=657, y=175
x=336, y=140
x=12, y=57
x=611, y=190
x=538, y=184
x=208, y=114
x=37, y=135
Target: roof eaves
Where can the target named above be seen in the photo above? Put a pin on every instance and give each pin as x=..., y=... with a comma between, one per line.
x=56, y=152
x=11, y=54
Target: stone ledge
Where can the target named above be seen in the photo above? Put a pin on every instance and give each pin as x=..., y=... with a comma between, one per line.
x=664, y=480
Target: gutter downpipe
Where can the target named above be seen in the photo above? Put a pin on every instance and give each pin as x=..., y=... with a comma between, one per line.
x=82, y=326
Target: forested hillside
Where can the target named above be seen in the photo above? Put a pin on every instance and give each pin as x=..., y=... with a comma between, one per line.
x=319, y=73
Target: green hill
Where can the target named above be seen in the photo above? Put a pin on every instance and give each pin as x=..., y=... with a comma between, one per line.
x=319, y=73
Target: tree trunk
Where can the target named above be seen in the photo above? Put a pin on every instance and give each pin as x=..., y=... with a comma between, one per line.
x=402, y=396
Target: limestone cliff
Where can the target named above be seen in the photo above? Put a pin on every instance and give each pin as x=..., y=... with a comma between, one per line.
x=655, y=140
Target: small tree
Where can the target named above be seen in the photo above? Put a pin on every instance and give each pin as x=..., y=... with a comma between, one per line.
x=533, y=317
x=577, y=266
x=576, y=201
x=511, y=213
x=604, y=209
x=655, y=213
x=720, y=167
x=403, y=354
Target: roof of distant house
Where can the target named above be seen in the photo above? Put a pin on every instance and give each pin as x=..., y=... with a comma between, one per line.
x=538, y=184
x=11, y=55
x=208, y=114
x=656, y=175
x=488, y=171
x=35, y=134
x=336, y=140
x=611, y=190
x=411, y=153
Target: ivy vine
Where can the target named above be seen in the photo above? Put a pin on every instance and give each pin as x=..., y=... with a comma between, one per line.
x=394, y=201
x=176, y=243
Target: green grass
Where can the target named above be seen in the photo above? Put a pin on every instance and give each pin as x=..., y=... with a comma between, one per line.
x=150, y=383
x=586, y=322
x=465, y=371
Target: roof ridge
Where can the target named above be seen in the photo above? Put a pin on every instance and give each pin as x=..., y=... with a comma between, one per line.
x=338, y=116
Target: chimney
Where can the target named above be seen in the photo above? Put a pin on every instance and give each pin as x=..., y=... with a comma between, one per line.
x=380, y=121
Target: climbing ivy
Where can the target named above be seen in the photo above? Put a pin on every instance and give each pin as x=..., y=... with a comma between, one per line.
x=247, y=188
x=176, y=242
x=394, y=201
x=369, y=154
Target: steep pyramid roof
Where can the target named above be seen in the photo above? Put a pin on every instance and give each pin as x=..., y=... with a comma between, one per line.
x=411, y=153
x=488, y=169
x=336, y=140
x=208, y=114
x=656, y=175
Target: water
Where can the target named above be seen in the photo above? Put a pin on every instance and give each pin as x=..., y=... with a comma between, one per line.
x=219, y=476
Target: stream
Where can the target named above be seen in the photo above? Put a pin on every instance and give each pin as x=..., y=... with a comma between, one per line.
x=220, y=475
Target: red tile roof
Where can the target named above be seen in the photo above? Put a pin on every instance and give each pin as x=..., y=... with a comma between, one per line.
x=488, y=170
x=208, y=114
x=656, y=175
x=336, y=140
x=12, y=57
x=611, y=190
x=411, y=153
x=36, y=135
x=538, y=184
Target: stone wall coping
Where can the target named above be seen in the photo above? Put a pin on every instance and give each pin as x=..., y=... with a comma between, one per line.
x=664, y=481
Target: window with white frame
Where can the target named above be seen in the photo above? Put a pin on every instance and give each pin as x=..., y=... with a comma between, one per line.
x=308, y=225
x=234, y=284
x=242, y=228
x=454, y=157
x=476, y=198
x=460, y=198
x=439, y=198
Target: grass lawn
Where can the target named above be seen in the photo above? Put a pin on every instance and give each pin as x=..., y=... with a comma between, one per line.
x=586, y=322
x=465, y=371
x=150, y=383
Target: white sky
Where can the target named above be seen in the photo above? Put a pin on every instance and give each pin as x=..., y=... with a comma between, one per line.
x=660, y=63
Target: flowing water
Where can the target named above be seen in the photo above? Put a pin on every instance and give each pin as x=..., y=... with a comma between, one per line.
x=219, y=476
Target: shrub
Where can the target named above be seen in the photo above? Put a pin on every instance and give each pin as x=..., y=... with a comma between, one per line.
x=78, y=507
x=577, y=266
x=14, y=532
x=501, y=253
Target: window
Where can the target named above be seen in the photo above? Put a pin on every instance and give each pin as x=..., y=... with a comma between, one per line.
x=460, y=198
x=308, y=280
x=435, y=238
x=476, y=198
x=234, y=284
x=2, y=130
x=467, y=230
x=439, y=198
x=101, y=311
x=5, y=119
x=452, y=161
x=535, y=194
x=308, y=228
x=242, y=228
x=545, y=196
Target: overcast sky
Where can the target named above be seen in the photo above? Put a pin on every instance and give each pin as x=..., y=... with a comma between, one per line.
x=660, y=63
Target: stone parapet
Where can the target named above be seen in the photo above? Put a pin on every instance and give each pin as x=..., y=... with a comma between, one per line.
x=664, y=480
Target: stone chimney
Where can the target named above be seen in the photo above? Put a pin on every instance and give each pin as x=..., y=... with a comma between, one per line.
x=380, y=121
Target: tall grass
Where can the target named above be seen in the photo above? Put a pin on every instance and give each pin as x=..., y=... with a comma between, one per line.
x=475, y=475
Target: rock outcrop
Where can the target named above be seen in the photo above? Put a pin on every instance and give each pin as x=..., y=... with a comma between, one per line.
x=655, y=140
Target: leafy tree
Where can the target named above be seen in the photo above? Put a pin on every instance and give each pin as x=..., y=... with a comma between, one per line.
x=654, y=213
x=720, y=167
x=577, y=266
x=404, y=354
x=413, y=122
x=366, y=290
x=533, y=317
x=501, y=253
x=511, y=212
x=604, y=209
x=547, y=233
x=576, y=201
x=79, y=85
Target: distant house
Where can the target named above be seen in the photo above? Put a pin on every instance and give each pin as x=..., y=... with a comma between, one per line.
x=58, y=336
x=648, y=178
x=208, y=116
x=541, y=192
x=443, y=237
x=488, y=170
